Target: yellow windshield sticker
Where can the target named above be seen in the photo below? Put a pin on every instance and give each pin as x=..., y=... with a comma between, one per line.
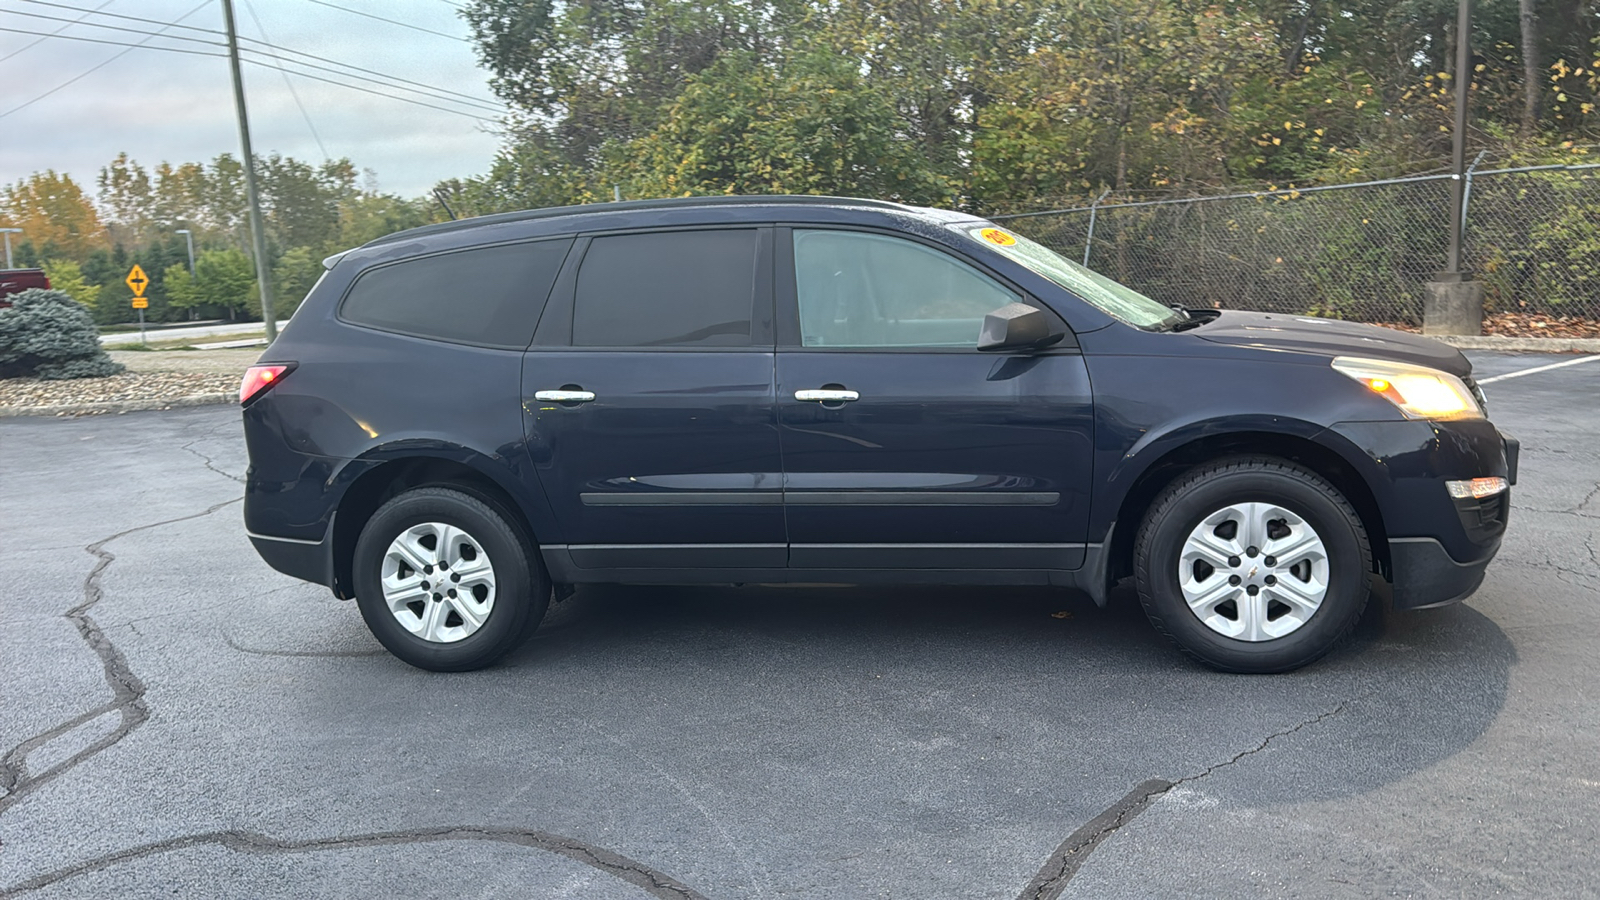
x=996, y=236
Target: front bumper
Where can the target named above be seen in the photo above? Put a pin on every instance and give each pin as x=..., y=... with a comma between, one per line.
x=1438, y=547
x=1425, y=575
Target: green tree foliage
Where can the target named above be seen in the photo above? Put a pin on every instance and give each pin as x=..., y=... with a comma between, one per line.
x=292, y=278
x=66, y=276
x=224, y=279
x=49, y=335
x=812, y=126
x=998, y=104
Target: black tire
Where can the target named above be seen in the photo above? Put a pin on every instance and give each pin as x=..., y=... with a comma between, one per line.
x=521, y=588
x=1194, y=496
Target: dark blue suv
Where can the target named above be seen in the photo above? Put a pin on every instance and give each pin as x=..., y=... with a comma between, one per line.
x=465, y=420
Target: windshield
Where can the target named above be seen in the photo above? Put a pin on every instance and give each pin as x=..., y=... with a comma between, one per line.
x=1110, y=297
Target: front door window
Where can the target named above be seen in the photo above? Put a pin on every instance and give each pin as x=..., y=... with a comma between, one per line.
x=866, y=290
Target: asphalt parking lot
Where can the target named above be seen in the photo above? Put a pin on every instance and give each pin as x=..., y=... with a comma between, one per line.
x=178, y=719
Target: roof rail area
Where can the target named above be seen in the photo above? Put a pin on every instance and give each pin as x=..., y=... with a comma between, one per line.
x=635, y=205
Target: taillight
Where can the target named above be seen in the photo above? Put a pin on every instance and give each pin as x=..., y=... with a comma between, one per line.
x=260, y=379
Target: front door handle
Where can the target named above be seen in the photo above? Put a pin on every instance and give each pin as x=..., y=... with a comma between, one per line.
x=564, y=396
x=827, y=396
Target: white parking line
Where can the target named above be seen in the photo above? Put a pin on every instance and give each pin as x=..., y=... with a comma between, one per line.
x=1535, y=369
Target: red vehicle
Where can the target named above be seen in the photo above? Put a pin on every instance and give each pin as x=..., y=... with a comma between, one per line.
x=15, y=281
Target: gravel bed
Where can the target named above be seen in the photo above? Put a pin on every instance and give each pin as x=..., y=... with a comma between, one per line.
x=130, y=390
x=154, y=380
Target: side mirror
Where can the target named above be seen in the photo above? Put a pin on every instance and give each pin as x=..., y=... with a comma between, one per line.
x=1016, y=326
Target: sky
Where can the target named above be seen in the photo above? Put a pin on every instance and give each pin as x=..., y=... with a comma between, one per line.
x=162, y=106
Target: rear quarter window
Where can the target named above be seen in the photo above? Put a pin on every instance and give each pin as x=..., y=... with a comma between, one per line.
x=490, y=296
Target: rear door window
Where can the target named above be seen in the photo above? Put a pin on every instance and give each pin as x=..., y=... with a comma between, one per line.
x=667, y=289
x=491, y=296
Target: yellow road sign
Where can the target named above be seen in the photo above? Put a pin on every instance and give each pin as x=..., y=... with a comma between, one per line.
x=141, y=303
x=138, y=281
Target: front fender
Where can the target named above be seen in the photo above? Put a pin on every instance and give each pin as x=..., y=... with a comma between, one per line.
x=1125, y=464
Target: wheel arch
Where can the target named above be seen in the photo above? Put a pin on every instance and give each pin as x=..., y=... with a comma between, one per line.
x=1301, y=449
x=390, y=476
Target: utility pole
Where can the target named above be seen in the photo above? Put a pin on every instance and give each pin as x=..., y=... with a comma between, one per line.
x=258, y=237
x=1454, y=303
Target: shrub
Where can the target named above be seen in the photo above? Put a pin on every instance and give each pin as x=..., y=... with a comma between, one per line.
x=48, y=334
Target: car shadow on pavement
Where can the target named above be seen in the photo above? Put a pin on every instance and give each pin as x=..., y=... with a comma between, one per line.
x=1403, y=692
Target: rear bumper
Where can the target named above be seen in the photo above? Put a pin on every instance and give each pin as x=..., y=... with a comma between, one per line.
x=306, y=560
x=1426, y=575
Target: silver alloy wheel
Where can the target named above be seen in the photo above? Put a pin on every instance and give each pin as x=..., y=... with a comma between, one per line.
x=1253, y=571
x=437, y=582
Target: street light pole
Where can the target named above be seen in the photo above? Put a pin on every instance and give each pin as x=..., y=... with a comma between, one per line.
x=258, y=238
x=8, y=233
x=188, y=238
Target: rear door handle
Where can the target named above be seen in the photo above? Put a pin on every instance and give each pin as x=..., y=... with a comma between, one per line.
x=825, y=396
x=564, y=396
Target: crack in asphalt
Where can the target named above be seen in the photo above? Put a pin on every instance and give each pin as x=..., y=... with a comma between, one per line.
x=1585, y=501
x=653, y=882
x=127, y=691
x=208, y=461
x=1068, y=858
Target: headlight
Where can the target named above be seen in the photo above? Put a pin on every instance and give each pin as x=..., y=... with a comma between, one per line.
x=1420, y=392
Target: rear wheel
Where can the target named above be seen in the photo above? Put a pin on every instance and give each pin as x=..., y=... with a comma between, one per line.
x=1253, y=565
x=446, y=582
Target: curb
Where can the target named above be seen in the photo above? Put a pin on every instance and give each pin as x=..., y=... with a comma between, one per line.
x=1537, y=345
x=115, y=406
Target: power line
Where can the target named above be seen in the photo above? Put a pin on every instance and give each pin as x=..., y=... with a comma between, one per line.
x=113, y=58
x=123, y=29
x=390, y=81
x=274, y=50
x=31, y=44
x=96, y=12
x=138, y=46
x=250, y=8
x=462, y=104
x=358, y=12
x=355, y=87
x=437, y=90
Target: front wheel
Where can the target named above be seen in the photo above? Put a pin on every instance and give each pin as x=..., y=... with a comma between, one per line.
x=446, y=582
x=1253, y=565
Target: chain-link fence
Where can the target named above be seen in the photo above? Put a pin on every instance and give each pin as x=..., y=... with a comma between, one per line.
x=1351, y=251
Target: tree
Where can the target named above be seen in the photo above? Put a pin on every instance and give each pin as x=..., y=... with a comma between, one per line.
x=293, y=276
x=369, y=216
x=54, y=214
x=49, y=335
x=811, y=126
x=66, y=276
x=223, y=278
x=1531, y=86
x=126, y=193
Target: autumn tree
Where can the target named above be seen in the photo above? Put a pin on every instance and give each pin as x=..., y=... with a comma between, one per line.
x=55, y=215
